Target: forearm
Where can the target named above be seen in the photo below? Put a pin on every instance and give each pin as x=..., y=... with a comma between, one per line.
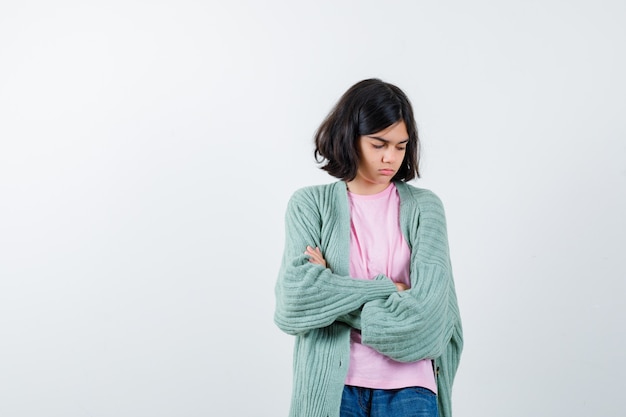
x=414, y=324
x=309, y=296
x=352, y=319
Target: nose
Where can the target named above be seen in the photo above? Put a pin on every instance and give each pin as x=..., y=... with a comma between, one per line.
x=389, y=155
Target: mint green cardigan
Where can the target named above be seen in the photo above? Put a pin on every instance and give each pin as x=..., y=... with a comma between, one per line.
x=320, y=305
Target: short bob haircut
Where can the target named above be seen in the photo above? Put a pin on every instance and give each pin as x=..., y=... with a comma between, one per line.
x=369, y=106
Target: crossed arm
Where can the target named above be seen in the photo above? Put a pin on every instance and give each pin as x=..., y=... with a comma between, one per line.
x=404, y=324
x=316, y=257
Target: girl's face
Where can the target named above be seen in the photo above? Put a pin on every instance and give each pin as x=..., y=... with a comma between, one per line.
x=380, y=156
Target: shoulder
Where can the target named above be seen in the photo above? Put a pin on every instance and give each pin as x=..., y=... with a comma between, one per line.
x=315, y=194
x=422, y=198
x=317, y=204
x=421, y=212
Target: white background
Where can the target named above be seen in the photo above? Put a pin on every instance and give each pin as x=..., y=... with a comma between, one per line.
x=148, y=149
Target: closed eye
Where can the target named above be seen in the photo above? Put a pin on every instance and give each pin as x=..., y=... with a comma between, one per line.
x=400, y=148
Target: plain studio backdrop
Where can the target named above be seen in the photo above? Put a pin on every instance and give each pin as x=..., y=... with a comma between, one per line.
x=148, y=150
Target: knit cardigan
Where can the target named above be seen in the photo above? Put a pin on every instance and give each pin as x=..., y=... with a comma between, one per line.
x=320, y=305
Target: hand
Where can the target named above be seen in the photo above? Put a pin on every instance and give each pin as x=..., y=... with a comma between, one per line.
x=315, y=256
x=400, y=286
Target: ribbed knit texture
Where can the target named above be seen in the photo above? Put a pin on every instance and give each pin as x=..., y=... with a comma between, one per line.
x=319, y=305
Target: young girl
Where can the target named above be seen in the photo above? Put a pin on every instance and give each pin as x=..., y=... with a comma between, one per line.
x=366, y=283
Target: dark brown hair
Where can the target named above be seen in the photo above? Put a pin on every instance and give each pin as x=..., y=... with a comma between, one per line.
x=369, y=106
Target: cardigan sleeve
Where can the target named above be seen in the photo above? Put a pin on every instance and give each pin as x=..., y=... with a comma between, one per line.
x=410, y=325
x=309, y=296
x=419, y=323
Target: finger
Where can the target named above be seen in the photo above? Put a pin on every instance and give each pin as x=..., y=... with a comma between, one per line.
x=316, y=260
x=313, y=252
x=313, y=257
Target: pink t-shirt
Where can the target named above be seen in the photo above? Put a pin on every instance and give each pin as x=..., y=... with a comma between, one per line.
x=377, y=246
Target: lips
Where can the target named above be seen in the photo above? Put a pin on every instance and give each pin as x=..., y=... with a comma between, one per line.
x=386, y=171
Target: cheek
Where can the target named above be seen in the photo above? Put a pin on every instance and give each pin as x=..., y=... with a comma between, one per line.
x=372, y=158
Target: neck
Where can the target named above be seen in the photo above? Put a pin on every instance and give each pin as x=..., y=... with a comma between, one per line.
x=361, y=188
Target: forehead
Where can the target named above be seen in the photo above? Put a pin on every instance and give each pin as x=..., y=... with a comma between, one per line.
x=395, y=133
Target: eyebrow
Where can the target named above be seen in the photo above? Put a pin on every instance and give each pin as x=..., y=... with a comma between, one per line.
x=386, y=140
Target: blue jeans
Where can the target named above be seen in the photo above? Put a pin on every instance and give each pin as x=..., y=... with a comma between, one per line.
x=403, y=402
